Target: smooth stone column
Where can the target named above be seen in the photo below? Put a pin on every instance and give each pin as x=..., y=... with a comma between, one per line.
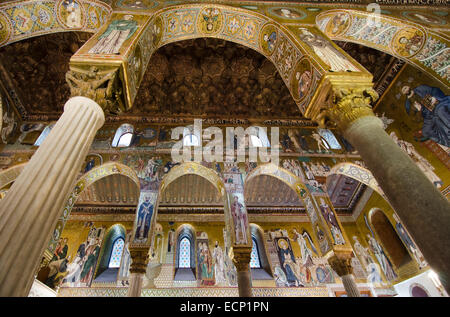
x=342, y=266
x=135, y=288
x=139, y=258
x=241, y=260
x=421, y=207
x=31, y=208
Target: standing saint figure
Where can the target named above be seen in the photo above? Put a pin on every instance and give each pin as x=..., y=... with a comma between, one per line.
x=112, y=39
x=219, y=268
x=306, y=252
x=325, y=51
x=240, y=221
x=144, y=218
x=206, y=265
x=331, y=220
x=403, y=234
x=386, y=265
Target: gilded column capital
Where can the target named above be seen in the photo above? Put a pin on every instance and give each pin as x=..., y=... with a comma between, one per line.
x=241, y=258
x=99, y=83
x=341, y=264
x=139, y=258
x=345, y=106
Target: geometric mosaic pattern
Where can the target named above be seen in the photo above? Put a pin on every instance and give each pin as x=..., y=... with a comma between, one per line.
x=116, y=255
x=254, y=257
x=194, y=292
x=185, y=253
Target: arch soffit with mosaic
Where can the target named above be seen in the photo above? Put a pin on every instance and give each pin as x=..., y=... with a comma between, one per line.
x=20, y=20
x=251, y=29
x=358, y=173
x=422, y=47
x=305, y=195
x=195, y=169
x=89, y=178
x=270, y=169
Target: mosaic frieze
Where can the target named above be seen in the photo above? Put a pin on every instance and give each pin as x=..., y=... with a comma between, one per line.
x=402, y=39
x=24, y=19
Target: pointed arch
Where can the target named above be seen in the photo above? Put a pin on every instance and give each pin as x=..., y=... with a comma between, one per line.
x=112, y=235
x=185, y=264
x=95, y=174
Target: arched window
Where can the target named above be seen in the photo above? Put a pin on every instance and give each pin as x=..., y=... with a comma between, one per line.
x=123, y=136
x=330, y=139
x=185, y=253
x=44, y=134
x=116, y=253
x=259, y=262
x=110, y=255
x=255, y=263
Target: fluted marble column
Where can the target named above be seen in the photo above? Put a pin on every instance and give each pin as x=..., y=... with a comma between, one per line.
x=139, y=257
x=241, y=260
x=342, y=266
x=31, y=208
x=421, y=207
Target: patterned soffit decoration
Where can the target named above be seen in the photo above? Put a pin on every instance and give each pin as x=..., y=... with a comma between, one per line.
x=201, y=72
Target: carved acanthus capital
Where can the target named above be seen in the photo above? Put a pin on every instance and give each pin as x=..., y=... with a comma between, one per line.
x=101, y=84
x=346, y=106
x=341, y=264
x=139, y=261
x=241, y=258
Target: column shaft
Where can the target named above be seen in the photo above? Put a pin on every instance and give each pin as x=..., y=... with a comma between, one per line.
x=135, y=288
x=350, y=286
x=244, y=283
x=31, y=208
x=421, y=207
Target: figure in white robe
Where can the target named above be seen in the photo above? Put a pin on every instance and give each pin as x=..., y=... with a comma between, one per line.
x=112, y=39
x=326, y=52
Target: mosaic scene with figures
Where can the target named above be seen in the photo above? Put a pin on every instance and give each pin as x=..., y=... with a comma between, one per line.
x=224, y=148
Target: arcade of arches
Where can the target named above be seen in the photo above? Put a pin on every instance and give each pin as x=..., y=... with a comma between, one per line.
x=123, y=122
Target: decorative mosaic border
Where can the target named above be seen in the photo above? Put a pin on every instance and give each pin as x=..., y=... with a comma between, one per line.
x=20, y=20
x=405, y=40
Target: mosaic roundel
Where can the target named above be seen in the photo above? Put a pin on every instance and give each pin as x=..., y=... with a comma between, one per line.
x=5, y=29
x=210, y=20
x=338, y=24
x=71, y=14
x=23, y=22
x=44, y=16
x=287, y=13
x=302, y=80
x=408, y=41
x=422, y=18
x=268, y=39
